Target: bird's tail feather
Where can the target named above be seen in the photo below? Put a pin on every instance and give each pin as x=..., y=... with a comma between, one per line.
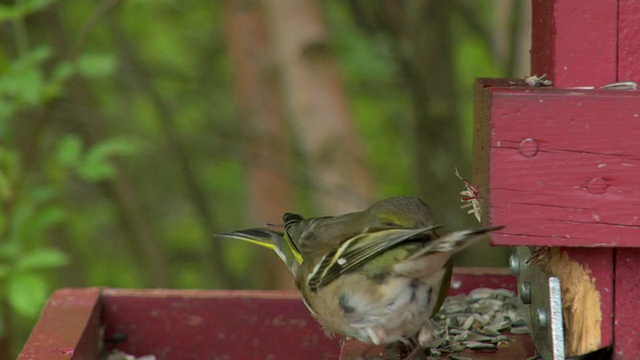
x=263, y=237
x=456, y=241
x=273, y=240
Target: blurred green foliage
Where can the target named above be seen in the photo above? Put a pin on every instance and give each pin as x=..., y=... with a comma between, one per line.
x=101, y=102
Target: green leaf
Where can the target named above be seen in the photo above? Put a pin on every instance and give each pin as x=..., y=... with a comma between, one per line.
x=26, y=85
x=93, y=171
x=44, y=258
x=69, y=151
x=42, y=194
x=63, y=71
x=30, y=221
x=55, y=85
x=36, y=5
x=24, y=82
x=5, y=184
x=37, y=55
x=10, y=251
x=96, y=65
x=8, y=12
x=7, y=109
x=22, y=9
x=26, y=294
x=97, y=165
x=111, y=147
x=5, y=270
x=33, y=231
x=20, y=221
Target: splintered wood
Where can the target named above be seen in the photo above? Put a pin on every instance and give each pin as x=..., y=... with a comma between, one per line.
x=580, y=302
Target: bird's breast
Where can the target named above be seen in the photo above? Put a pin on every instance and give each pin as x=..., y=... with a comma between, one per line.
x=376, y=310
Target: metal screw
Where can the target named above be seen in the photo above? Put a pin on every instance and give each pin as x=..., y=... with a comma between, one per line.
x=542, y=318
x=525, y=292
x=514, y=264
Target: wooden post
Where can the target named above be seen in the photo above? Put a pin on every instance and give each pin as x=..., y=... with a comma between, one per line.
x=68, y=327
x=560, y=165
x=627, y=260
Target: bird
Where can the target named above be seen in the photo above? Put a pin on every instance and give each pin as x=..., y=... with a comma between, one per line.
x=377, y=275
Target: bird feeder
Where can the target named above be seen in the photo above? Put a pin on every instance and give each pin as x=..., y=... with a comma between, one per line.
x=559, y=165
x=201, y=324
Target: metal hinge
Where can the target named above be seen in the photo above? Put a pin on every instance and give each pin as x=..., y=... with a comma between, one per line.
x=541, y=296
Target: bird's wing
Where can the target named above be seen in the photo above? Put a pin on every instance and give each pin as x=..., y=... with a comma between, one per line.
x=455, y=241
x=435, y=254
x=318, y=235
x=358, y=250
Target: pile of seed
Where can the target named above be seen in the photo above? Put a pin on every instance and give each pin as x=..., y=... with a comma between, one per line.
x=478, y=321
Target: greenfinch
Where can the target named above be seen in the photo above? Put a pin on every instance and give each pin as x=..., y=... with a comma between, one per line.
x=377, y=275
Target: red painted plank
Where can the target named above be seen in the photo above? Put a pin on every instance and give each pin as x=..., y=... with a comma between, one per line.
x=574, y=41
x=540, y=150
x=198, y=324
x=629, y=40
x=627, y=261
x=215, y=325
x=564, y=166
x=627, y=321
x=68, y=327
x=465, y=279
x=561, y=163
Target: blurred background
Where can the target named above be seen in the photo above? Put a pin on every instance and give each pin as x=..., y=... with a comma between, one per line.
x=132, y=130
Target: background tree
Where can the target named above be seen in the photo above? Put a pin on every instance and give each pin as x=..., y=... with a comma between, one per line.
x=130, y=131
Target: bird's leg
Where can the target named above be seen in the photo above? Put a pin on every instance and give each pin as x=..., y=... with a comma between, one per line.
x=399, y=349
x=418, y=353
x=363, y=350
x=429, y=336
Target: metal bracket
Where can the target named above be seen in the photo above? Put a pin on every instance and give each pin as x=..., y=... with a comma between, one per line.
x=541, y=296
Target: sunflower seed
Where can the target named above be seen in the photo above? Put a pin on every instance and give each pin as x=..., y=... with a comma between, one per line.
x=480, y=293
x=504, y=293
x=478, y=345
x=499, y=339
x=456, y=357
x=520, y=330
x=475, y=321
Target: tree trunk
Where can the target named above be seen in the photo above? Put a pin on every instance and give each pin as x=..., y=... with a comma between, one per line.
x=266, y=145
x=511, y=32
x=317, y=106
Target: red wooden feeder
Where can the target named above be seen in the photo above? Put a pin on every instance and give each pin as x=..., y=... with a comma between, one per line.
x=190, y=324
x=560, y=166
x=177, y=324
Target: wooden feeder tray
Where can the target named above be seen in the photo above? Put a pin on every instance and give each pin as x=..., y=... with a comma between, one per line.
x=209, y=324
